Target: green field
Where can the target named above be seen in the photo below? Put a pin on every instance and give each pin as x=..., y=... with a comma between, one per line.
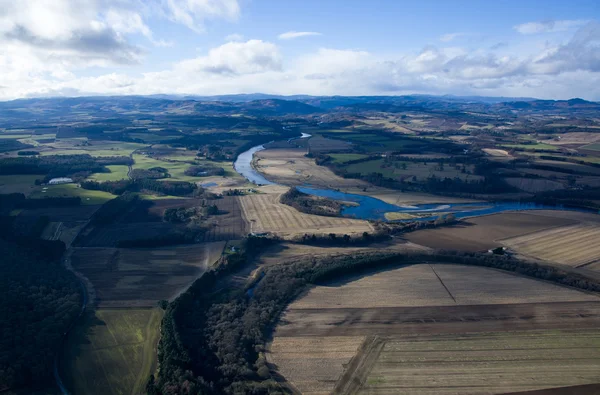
x=88, y=197
x=372, y=166
x=540, y=146
x=592, y=147
x=419, y=170
x=117, y=172
x=19, y=183
x=96, y=149
x=14, y=136
x=153, y=138
x=112, y=351
x=343, y=158
x=176, y=169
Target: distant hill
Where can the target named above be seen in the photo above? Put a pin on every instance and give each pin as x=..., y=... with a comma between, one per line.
x=272, y=105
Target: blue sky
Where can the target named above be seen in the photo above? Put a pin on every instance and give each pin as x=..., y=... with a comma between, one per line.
x=546, y=49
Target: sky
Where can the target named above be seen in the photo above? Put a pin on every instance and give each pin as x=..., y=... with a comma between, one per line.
x=546, y=49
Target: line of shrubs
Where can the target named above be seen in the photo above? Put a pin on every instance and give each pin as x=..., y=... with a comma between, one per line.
x=213, y=339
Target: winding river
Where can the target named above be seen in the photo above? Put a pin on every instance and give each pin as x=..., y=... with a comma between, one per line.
x=370, y=208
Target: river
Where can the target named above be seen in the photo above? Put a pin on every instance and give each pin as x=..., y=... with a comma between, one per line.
x=371, y=208
x=243, y=163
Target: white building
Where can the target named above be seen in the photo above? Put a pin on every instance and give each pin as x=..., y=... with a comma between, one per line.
x=60, y=180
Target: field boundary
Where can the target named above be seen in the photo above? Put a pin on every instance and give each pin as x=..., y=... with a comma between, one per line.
x=360, y=366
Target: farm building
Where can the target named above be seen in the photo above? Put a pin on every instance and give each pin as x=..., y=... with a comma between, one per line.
x=60, y=180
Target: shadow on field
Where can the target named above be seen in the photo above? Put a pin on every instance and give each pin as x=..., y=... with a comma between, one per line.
x=77, y=341
x=341, y=281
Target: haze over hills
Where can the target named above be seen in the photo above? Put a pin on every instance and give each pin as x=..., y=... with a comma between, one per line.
x=274, y=105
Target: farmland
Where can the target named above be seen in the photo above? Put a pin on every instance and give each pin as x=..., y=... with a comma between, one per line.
x=575, y=245
x=407, y=329
x=436, y=328
x=291, y=167
x=131, y=277
x=266, y=214
x=71, y=190
x=117, y=172
x=18, y=184
x=483, y=233
x=411, y=170
x=112, y=351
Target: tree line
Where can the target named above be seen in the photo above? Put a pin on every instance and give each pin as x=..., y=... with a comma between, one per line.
x=174, y=188
x=311, y=204
x=52, y=166
x=40, y=300
x=213, y=341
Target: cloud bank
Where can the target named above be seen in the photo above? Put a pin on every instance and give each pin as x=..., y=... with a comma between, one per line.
x=47, y=46
x=292, y=35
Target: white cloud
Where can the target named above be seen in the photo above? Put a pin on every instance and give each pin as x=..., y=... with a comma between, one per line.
x=234, y=37
x=292, y=35
x=193, y=13
x=235, y=58
x=548, y=26
x=451, y=37
x=559, y=67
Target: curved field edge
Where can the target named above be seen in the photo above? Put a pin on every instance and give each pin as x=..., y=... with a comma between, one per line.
x=434, y=326
x=112, y=351
x=214, y=339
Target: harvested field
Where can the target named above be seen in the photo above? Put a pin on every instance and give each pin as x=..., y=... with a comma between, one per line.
x=266, y=214
x=296, y=358
x=405, y=198
x=576, y=138
x=113, y=351
x=434, y=285
x=499, y=153
x=575, y=245
x=286, y=252
x=141, y=277
x=230, y=223
x=484, y=363
x=534, y=185
x=291, y=167
x=483, y=233
x=438, y=329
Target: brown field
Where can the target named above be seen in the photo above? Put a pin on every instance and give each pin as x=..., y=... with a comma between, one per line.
x=286, y=252
x=483, y=233
x=140, y=277
x=291, y=167
x=575, y=138
x=438, y=329
x=145, y=221
x=571, y=166
x=500, y=153
x=405, y=198
x=266, y=214
x=390, y=125
x=534, y=184
x=484, y=363
x=575, y=245
x=230, y=223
